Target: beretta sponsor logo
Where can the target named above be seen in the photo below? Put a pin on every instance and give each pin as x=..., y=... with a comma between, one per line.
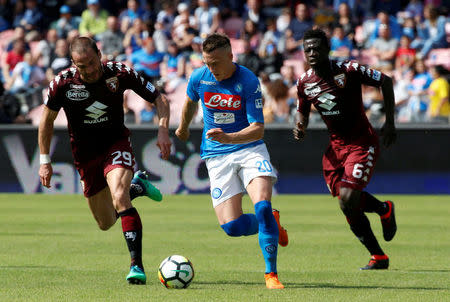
x=221, y=101
x=77, y=94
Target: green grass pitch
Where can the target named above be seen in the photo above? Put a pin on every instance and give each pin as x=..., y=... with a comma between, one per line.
x=52, y=250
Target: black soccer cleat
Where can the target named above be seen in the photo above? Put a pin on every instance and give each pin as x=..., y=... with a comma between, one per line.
x=377, y=262
x=388, y=222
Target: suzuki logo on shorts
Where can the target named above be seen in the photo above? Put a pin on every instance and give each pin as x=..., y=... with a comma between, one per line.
x=215, y=100
x=96, y=110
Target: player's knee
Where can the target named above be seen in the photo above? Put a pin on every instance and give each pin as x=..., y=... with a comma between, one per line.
x=104, y=225
x=232, y=228
x=263, y=211
x=349, y=201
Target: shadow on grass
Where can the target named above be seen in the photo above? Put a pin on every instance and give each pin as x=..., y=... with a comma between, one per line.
x=319, y=285
x=27, y=267
x=425, y=271
x=33, y=234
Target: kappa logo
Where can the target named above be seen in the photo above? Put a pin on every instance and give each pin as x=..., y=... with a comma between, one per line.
x=258, y=89
x=96, y=110
x=207, y=82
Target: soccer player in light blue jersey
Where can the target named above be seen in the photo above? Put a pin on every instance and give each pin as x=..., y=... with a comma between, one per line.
x=232, y=147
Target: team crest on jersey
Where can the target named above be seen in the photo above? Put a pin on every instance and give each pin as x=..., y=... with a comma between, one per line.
x=112, y=84
x=238, y=87
x=340, y=80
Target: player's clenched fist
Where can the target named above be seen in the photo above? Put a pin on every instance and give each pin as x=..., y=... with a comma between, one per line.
x=182, y=133
x=299, y=132
x=45, y=174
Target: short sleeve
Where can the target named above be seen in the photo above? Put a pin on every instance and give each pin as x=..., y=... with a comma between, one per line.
x=192, y=88
x=53, y=100
x=253, y=101
x=138, y=84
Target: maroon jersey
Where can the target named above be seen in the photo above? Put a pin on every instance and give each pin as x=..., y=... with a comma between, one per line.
x=95, y=110
x=338, y=99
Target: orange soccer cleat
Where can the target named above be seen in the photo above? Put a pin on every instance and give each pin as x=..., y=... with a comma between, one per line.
x=283, y=239
x=272, y=281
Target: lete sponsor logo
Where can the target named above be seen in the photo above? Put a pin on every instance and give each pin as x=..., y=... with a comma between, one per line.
x=221, y=101
x=77, y=94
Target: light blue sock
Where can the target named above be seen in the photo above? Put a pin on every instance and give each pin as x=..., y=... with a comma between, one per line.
x=245, y=225
x=268, y=234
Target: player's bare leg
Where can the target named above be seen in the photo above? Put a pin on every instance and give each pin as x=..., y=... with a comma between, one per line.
x=350, y=203
x=119, y=180
x=260, y=191
x=102, y=209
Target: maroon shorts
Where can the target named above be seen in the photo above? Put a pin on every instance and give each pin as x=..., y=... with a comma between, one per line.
x=349, y=166
x=93, y=172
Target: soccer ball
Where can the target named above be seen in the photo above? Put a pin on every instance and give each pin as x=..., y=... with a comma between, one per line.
x=176, y=272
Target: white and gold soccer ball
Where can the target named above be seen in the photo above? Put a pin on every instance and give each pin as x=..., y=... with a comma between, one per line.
x=176, y=272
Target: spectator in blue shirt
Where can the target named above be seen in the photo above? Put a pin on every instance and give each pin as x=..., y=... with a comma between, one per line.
x=133, y=12
x=384, y=18
x=341, y=47
x=147, y=60
x=431, y=33
x=31, y=19
x=297, y=27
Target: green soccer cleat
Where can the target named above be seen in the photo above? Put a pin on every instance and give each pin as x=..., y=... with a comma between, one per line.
x=136, y=275
x=140, y=178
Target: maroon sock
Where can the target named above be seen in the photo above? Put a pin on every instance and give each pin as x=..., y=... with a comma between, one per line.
x=132, y=231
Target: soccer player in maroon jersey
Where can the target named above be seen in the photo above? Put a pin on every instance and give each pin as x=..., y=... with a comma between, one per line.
x=335, y=90
x=91, y=94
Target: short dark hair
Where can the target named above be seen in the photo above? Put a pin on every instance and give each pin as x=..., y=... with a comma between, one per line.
x=216, y=41
x=82, y=44
x=316, y=33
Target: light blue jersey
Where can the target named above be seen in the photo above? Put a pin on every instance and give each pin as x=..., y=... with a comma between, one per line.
x=232, y=105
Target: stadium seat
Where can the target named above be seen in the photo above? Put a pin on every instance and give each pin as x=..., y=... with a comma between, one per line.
x=447, y=31
x=365, y=57
x=36, y=113
x=177, y=99
x=232, y=26
x=34, y=48
x=359, y=35
x=299, y=66
x=5, y=37
x=440, y=56
x=237, y=46
x=134, y=102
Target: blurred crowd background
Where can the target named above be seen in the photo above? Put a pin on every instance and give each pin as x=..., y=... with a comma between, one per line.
x=162, y=40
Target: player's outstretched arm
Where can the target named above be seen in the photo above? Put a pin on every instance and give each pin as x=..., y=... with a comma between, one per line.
x=45, y=135
x=163, y=109
x=187, y=114
x=254, y=132
x=388, y=130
